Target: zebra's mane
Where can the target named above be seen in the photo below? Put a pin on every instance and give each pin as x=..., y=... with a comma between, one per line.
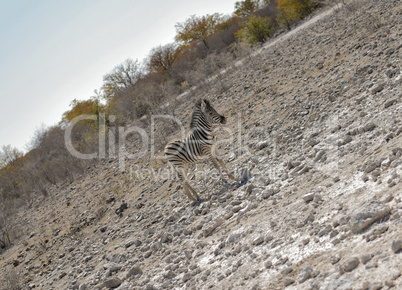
x=197, y=112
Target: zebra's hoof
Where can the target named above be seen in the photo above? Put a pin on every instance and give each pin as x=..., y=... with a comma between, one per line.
x=198, y=202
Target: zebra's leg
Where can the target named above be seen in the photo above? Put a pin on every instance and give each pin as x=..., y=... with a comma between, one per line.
x=188, y=191
x=224, y=168
x=191, y=193
x=216, y=164
x=220, y=161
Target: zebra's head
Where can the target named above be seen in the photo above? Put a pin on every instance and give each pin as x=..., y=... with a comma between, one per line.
x=211, y=114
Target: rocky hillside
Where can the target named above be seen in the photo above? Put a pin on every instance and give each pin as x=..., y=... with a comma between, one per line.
x=316, y=123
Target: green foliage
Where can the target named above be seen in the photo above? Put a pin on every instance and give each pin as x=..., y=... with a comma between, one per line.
x=293, y=10
x=86, y=132
x=92, y=106
x=256, y=30
x=197, y=29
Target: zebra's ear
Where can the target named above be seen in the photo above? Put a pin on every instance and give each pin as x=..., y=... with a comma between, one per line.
x=203, y=106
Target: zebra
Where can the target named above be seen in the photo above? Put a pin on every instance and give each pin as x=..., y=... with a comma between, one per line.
x=198, y=144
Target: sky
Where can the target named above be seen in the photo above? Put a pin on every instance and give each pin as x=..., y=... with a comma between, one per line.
x=54, y=51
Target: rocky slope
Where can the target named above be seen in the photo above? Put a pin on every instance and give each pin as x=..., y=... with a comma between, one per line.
x=315, y=122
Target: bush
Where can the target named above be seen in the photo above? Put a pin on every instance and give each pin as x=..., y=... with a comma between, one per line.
x=291, y=11
x=256, y=30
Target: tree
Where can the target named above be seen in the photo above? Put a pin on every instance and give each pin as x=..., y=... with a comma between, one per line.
x=162, y=58
x=123, y=76
x=292, y=10
x=8, y=155
x=225, y=33
x=51, y=161
x=5, y=227
x=256, y=30
x=11, y=161
x=92, y=106
x=37, y=137
x=246, y=8
x=197, y=29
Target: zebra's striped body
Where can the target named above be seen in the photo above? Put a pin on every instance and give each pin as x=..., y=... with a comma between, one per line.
x=198, y=145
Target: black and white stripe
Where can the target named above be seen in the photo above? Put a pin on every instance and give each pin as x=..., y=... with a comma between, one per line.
x=198, y=144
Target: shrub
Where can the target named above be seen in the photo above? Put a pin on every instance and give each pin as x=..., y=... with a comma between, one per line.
x=256, y=30
x=292, y=10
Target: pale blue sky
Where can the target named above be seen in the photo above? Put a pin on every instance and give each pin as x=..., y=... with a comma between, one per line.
x=54, y=51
